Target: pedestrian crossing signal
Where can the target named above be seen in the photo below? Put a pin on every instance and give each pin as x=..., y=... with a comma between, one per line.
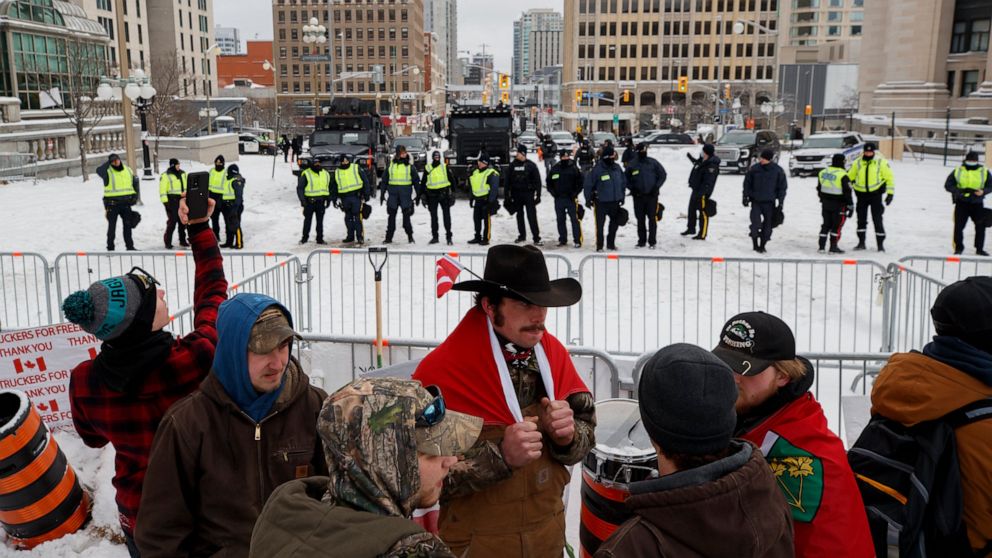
x=683, y=84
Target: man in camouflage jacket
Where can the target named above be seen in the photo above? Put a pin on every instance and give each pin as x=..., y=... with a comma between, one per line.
x=389, y=444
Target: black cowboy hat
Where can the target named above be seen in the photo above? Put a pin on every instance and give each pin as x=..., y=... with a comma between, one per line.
x=520, y=272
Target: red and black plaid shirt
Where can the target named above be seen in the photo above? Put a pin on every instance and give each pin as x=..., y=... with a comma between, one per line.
x=129, y=422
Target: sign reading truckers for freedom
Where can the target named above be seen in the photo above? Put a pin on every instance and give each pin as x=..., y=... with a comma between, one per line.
x=38, y=361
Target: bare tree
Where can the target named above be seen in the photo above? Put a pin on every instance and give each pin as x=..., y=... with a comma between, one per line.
x=85, y=63
x=849, y=98
x=169, y=115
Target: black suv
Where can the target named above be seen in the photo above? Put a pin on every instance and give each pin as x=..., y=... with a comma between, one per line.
x=739, y=149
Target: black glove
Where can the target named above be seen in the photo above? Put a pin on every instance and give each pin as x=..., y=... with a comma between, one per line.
x=537, y=197
x=849, y=211
x=622, y=200
x=590, y=203
x=327, y=203
x=416, y=200
x=888, y=199
x=780, y=205
x=382, y=198
x=471, y=202
x=338, y=204
x=746, y=201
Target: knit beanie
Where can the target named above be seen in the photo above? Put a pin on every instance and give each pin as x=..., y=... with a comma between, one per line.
x=838, y=160
x=709, y=149
x=109, y=308
x=964, y=310
x=767, y=154
x=173, y=162
x=686, y=397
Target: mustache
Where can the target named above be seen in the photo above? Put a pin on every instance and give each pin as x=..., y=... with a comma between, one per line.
x=535, y=328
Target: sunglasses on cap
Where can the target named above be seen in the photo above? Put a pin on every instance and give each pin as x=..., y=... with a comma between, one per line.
x=433, y=414
x=146, y=278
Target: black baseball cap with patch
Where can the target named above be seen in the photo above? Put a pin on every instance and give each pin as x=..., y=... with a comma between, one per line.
x=753, y=341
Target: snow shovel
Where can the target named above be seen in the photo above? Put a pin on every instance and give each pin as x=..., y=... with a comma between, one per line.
x=375, y=252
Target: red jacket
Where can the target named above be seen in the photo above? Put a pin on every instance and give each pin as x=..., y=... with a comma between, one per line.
x=129, y=421
x=810, y=466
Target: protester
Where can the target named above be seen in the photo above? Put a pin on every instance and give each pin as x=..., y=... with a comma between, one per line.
x=220, y=452
x=378, y=476
x=715, y=496
x=504, y=499
x=776, y=412
x=120, y=396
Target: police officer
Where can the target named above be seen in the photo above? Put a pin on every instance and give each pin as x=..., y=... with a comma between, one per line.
x=764, y=190
x=837, y=204
x=548, y=150
x=314, y=191
x=437, y=184
x=398, y=180
x=171, y=187
x=629, y=152
x=484, y=185
x=233, y=206
x=216, y=191
x=702, y=181
x=523, y=189
x=351, y=189
x=604, y=191
x=564, y=183
x=968, y=185
x=869, y=174
x=645, y=177
x=584, y=155
x=119, y=195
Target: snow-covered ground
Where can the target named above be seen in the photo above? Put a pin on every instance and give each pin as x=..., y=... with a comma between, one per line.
x=66, y=215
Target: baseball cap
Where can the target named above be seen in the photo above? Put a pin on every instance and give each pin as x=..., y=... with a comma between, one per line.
x=441, y=431
x=271, y=329
x=752, y=341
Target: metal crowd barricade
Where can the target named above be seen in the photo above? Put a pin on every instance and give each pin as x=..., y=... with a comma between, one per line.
x=18, y=166
x=279, y=280
x=836, y=375
x=909, y=296
x=25, y=296
x=340, y=294
x=332, y=361
x=949, y=268
x=633, y=304
x=175, y=271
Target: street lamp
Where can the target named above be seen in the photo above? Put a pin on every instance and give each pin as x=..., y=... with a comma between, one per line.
x=773, y=108
x=315, y=34
x=739, y=28
x=214, y=49
x=138, y=89
x=269, y=67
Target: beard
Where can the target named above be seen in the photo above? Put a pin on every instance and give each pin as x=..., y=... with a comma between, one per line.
x=747, y=402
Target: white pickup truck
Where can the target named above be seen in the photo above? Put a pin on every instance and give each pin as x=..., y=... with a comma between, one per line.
x=818, y=149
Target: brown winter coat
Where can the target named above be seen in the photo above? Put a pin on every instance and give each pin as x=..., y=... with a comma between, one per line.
x=914, y=388
x=212, y=468
x=740, y=514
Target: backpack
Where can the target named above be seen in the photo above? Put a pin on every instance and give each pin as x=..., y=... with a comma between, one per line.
x=910, y=482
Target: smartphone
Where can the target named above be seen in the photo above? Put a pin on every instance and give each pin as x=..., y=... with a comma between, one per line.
x=197, y=185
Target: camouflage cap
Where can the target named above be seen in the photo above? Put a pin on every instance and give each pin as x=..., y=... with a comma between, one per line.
x=271, y=329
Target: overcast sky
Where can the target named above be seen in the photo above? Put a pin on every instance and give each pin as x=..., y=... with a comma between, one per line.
x=479, y=21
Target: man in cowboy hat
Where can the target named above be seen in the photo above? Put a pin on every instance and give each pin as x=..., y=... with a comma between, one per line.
x=500, y=364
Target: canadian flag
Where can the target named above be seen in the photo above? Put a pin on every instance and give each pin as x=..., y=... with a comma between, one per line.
x=52, y=406
x=448, y=269
x=20, y=365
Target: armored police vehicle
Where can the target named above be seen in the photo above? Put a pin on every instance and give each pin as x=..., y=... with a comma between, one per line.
x=473, y=130
x=352, y=127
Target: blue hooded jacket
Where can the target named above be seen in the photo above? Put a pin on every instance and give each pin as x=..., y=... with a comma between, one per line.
x=235, y=319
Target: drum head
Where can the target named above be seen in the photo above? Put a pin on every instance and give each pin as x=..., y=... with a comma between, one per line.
x=619, y=431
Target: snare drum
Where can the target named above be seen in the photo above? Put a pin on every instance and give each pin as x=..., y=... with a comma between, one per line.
x=623, y=454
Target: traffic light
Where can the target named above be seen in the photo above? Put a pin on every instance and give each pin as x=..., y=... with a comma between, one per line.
x=504, y=97
x=504, y=81
x=726, y=91
x=626, y=95
x=683, y=84
x=578, y=95
x=809, y=110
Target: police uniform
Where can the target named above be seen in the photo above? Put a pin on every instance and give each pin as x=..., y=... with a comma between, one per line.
x=118, y=197
x=398, y=180
x=548, y=149
x=565, y=184
x=217, y=175
x=484, y=186
x=702, y=182
x=523, y=189
x=314, y=191
x=171, y=187
x=351, y=188
x=968, y=185
x=645, y=177
x=871, y=178
x=585, y=156
x=604, y=190
x=437, y=184
x=232, y=207
x=836, y=203
x=765, y=187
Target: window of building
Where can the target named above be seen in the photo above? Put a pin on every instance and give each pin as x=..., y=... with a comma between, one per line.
x=294, y=34
x=282, y=17
x=969, y=82
x=833, y=31
x=103, y=5
x=404, y=33
x=836, y=3
x=856, y=30
x=857, y=16
x=835, y=16
x=950, y=83
x=979, y=35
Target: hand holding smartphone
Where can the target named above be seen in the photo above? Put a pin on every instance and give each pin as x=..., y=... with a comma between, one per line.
x=196, y=205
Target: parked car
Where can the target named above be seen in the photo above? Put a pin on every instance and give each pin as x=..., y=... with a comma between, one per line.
x=739, y=149
x=415, y=147
x=430, y=139
x=250, y=143
x=815, y=153
x=563, y=140
x=668, y=139
x=599, y=138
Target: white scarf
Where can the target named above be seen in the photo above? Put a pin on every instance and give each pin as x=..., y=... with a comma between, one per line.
x=504, y=373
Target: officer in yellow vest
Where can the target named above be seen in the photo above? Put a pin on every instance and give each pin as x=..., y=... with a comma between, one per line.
x=119, y=194
x=484, y=183
x=233, y=206
x=437, y=184
x=968, y=185
x=836, y=203
x=398, y=180
x=171, y=187
x=871, y=177
x=216, y=190
x=350, y=189
x=314, y=190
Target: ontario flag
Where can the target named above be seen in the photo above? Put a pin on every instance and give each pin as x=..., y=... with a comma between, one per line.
x=448, y=269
